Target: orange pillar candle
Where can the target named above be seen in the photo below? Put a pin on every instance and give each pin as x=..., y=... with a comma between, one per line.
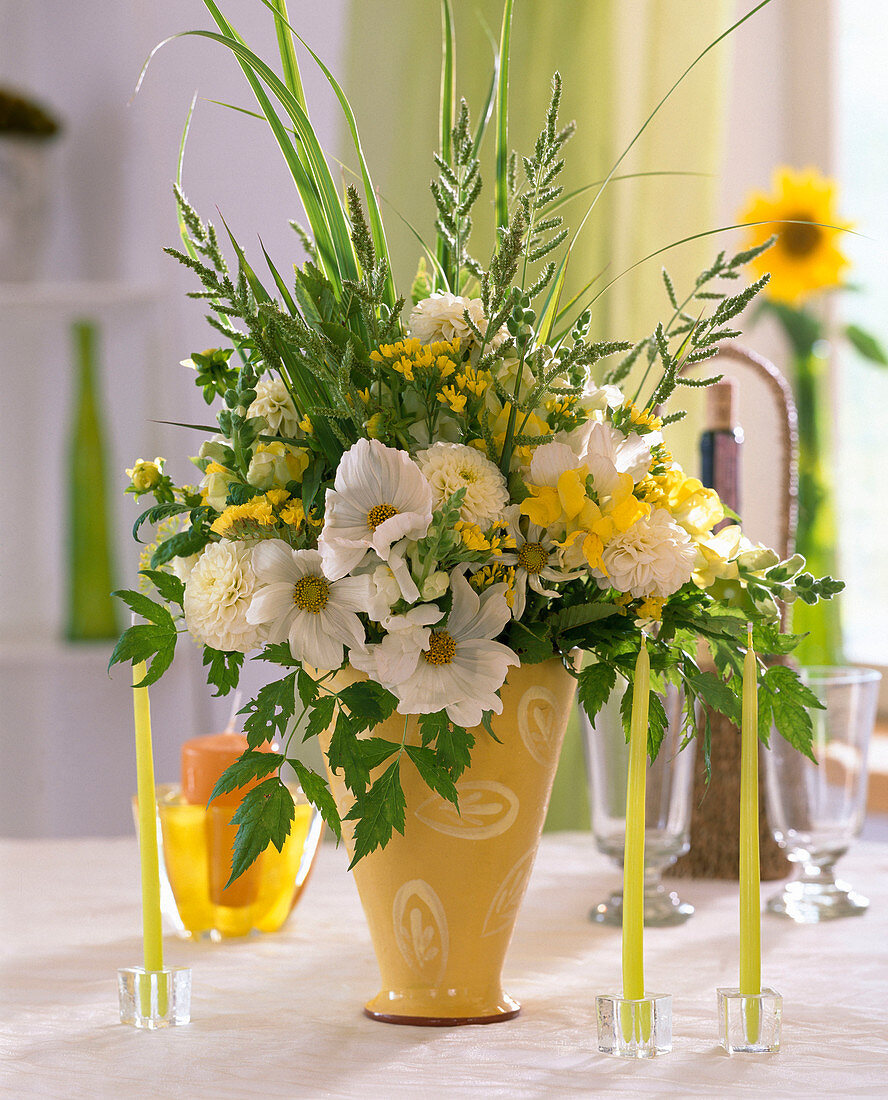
x=204, y=759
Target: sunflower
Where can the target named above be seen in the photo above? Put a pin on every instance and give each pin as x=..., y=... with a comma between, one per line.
x=806, y=257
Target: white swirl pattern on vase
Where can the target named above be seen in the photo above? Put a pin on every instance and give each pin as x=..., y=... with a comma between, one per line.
x=538, y=713
x=507, y=899
x=421, y=929
x=486, y=809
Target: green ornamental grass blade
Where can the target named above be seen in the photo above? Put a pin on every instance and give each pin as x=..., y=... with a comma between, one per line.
x=374, y=215
x=502, y=119
x=289, y=63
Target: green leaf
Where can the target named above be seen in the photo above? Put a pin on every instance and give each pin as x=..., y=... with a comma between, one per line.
x=156, y=513
x=580, y=615
x=532, y=643
x=865, y=344
x=279, y=654
x=433, y=774
x=316, y=791
x=784, y=701
x=147, y=642
x=368, y=703
x=224, y=669
x=250, y=765
x=307, y=686
x=180, y=545
x=320, y=716
x=596, y=682
x=271, y=710
x=657, y=725
x=263, y=818
x=344, y=754
x=453, y=744
x=146, y=607
x=378, y=812
x=712, y=690
x=167, y=584
x=376, y=750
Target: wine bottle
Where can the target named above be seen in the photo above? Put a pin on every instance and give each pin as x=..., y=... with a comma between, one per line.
x=721, y=443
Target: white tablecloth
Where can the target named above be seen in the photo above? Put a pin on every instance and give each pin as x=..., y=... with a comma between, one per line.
x=280, y=1016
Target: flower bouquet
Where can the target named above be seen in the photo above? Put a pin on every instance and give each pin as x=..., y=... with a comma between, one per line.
x=412, y=511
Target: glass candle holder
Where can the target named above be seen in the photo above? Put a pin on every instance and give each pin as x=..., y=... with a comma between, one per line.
x=749, y=1023
x=195, y=844
x=154, y=998
x=639, y=1028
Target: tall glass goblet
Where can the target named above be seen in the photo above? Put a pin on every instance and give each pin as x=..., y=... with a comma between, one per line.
x=670, y=782
x=816, y=810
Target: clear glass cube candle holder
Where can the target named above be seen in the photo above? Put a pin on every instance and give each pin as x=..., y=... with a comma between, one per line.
x=195, y=846
x=749, y=1023
x=634, y=1028
x=153, y=999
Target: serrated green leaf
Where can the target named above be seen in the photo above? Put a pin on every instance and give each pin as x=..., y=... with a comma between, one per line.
x=167, y=584
x=657, y=725
x=368, y=703
x=344, y=755
x=378, y=813
x=533, y=644
x=147, y=642
x=595, y=684
x=376, y=750
x=250, y=765
x=156, y=513
x=433, y=774
x=271, y=710
x=712, y=690
x=223, y=669
x=316, y=791
x=146, y=607
x=180, y=545
x=263, y=818
x=453, y=744
x=320, y=716
x=784, y=701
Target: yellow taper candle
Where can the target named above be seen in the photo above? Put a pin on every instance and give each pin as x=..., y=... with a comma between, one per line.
x=750, y=903
x=633, y=858
x=152, y=937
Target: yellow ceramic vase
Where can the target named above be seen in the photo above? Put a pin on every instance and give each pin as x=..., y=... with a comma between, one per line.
x=442, y=899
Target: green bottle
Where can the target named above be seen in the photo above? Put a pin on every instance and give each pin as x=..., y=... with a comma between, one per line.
x=92, y=613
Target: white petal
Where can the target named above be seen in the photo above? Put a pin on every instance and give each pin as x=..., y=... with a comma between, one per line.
x=271, y=602
x=310, y=643
x=351, y=593
x=273, y=562
x=466, y=605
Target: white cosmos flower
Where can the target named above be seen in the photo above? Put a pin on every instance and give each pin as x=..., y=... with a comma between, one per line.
x=654, y=557
x=298, y=603
x=458, y=668
x=273, y=401
x=394, y=658
x=452, y=466
x=531, y=560
x=442, y=317
x=379, y=497
x=218, y=591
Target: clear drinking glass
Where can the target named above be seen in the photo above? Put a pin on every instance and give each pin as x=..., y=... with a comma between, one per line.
x=816, y=810
x=670, y=782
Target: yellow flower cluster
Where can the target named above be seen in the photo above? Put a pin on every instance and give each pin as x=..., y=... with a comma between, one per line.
x=410, y=357
x=579, y=524
x=495, y=574
x=261, y=516
x=493, y=543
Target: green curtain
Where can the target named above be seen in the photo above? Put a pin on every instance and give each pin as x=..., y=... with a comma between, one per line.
x=617, y=58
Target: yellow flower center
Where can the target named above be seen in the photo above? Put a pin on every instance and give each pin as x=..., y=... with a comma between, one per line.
x=533, y=556
x=441, y=649
x=799, y=240
x=380, y=514
x=311, y=594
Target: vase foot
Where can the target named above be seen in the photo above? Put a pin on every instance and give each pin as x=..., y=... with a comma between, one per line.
x=505, y=1008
